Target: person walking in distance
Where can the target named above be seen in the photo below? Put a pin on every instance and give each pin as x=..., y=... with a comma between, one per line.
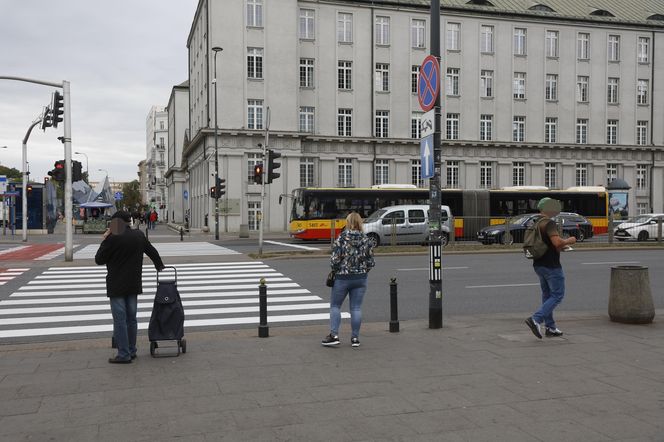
x=352, y=258
x=153, y=219
x=550, y=272
x=122, y=252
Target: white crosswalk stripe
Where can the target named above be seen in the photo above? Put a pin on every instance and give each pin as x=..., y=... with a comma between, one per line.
x=169, y=249
x=72, y=300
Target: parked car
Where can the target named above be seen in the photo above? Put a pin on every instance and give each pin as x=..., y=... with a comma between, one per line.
x=575, y=224
x=495, y=234
x=408, y=223
x=641, y=228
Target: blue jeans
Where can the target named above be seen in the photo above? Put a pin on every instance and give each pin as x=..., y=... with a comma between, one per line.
x=125, y=325
x=552, y=282
x=355, y=288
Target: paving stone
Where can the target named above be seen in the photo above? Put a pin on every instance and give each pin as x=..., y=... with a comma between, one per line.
x=567, y=430
x=32, y=422
x=621, y=426
x=11, y=407
x=266, y=417
x=492, y=434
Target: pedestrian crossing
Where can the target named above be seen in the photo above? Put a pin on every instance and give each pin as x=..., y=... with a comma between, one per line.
x=169, y=249
x=72, y=300
x=7, y=275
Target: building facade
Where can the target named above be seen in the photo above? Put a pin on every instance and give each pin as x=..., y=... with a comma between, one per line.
x=156, y=128
x=551, y=93
x=176, y=175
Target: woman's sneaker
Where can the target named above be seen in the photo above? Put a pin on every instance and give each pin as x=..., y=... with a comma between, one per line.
x=553, y=332
x=330, y=340
x=354, y=342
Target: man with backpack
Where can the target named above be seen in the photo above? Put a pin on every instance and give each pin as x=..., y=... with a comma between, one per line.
x=543, y=245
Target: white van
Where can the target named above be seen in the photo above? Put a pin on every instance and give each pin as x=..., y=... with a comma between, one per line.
x=407, y=223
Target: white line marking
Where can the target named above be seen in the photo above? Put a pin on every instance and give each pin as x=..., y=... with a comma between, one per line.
x=256, y=280
x=13, y=249
x=184, y=273
x=498, y=285
x=182, y=280
x=422, y=269
x=201, y=266
x=295, y=246
x=609, y=262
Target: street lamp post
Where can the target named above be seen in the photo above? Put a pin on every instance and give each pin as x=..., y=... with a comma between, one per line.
x=216, y=50
x=87, y=163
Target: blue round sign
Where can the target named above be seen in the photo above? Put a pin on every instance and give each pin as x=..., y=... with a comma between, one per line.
x=185, y=194
x=428, y=83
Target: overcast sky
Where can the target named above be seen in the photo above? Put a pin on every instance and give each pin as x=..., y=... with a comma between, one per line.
x=121, y=57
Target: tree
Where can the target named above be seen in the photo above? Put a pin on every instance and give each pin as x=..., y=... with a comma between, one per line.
x=11, y=173
x=131, y=195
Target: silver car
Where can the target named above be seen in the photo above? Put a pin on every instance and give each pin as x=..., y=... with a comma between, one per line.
x=405, y=224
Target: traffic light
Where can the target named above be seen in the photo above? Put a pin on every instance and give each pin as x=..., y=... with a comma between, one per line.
x=58, y=172
x=57, y=108
x=213, y=193
x=76, y=171
x=272, y=166
x=29, y=190
x=47, y=118
x=220, y=188
x=258, y=173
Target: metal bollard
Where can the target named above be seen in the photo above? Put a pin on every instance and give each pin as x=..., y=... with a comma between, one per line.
x=181, y=234
x=263, y=329
x=394, y=311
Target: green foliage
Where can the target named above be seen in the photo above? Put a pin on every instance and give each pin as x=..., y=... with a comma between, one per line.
x=11, y=173
x=131, y=195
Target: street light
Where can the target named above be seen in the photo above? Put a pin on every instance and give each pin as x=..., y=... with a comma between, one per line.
x=87, y=164
x=216, y=50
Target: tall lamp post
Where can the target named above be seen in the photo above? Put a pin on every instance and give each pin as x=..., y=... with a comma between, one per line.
x=87, y=163
x=216, y=50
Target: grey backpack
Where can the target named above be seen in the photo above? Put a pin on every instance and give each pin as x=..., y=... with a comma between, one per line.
x=534, y=246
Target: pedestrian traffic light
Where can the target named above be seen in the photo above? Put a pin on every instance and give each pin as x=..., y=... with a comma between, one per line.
x=272, y=166
x=76, y=171
x=220, y=187
x=258, y=173
x=47, y=118
x=58, y=172
x=213, y=193
x=57, y=108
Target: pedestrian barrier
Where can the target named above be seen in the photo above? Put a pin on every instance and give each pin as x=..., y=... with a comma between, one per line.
x=630, y=299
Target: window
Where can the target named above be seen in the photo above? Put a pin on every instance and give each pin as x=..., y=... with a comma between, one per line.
x=161, y=125
x=307, y=72
x=614, y=48
x=551, y=90
x=382, y=172
x=255, y=13
x=550, y=129
x=252, y=160
x=641, y=176
x=486, y=83
x=414, y=73
x=382, y=124
x=452, y=81
x=382, y=77
x=641, y=208
x=255, y=114
x=161, y=141
x=612, y=132
x=415, y=120
x=582, y=89
x=642, y=92
x=519, y=91
x=345, y=75
x=253, y=214
x=486, y=39
x=416, y=173
x=452, y=127
x=518, y=174
x=550, y=175
x=643, y=50
x=452, y=169
x=581, y=130
x=306, y=172
x=344, y=27
x=486, y=127
x=454, y=36
x=519, y=129
x=255, y=63
x=345, y=172
x=307, y=24
x=612, y=90
x=581, y=174
x=417, y=33
x=611, y=172
x=519, y=41
x=552, y=44
x=641, y=132
x=583, y=46
x=306, y=119
x=382, y=30
x=344, y=122
x=486, y=172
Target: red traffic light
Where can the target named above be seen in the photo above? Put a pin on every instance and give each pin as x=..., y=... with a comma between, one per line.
x=59, y=165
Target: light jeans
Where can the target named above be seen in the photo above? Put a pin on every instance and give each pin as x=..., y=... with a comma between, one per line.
x=354, y=287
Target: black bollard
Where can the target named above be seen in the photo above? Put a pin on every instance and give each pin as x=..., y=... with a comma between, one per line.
x=181, y=234
x=147, y=235
x=263, y=329
x=394, y=311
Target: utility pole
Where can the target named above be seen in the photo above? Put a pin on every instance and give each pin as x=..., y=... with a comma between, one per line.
x=24, y=192
x=266, y=175
x=216, y=50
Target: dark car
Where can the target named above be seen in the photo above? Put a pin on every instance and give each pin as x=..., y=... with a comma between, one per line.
x=517, y=228
x=575, y=225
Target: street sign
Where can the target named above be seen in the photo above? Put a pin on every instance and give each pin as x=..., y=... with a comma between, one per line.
x=185, y=194
x=428, y=124
x=3, y=183
x=428, y=83
x=426, y=156
x=118, y=196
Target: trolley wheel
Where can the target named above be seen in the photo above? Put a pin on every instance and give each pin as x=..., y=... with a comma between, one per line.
x=183, y=345
x=153, y=347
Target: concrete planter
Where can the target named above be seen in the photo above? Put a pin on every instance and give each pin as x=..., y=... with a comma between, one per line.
x=630, y=299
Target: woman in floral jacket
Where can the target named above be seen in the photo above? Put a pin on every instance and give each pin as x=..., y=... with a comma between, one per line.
x=352, y=258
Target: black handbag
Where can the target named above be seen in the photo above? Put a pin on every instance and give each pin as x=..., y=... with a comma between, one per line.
x=330, y=278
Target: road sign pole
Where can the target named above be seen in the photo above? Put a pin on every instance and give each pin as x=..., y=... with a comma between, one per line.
x=435, y=234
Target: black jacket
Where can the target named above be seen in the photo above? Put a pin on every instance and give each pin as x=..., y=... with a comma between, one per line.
x=123, y=256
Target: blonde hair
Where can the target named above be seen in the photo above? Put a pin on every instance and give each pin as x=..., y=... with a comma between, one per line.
x=354, y=221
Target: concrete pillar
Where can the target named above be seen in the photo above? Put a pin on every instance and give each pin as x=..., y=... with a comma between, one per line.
x=630, y=300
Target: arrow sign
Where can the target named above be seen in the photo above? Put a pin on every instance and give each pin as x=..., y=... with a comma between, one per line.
x=426, y=156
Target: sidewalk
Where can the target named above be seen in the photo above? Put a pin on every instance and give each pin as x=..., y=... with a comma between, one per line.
x=479, y=378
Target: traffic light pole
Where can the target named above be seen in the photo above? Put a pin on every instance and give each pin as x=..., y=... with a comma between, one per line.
x=24, y=193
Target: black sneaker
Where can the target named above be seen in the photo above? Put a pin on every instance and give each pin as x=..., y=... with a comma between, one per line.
x=354, y=342
x=331, y=340
x=553, y=332
x=534, y=327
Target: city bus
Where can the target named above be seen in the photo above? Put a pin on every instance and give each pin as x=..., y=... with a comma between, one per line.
x=319, y=213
